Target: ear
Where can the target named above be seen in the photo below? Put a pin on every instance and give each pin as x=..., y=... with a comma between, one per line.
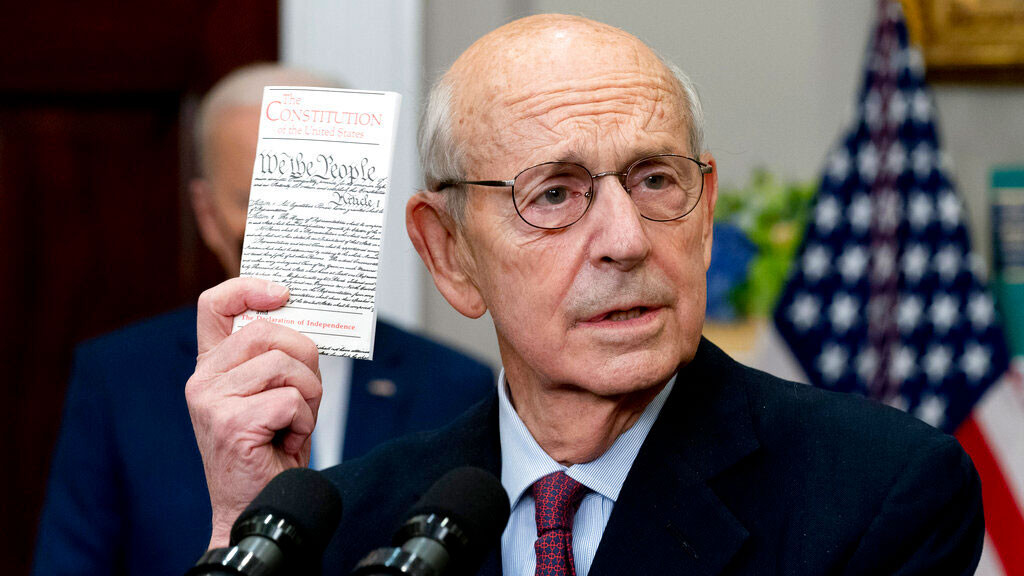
x=710, y=198
x=207, y=218
x=439, y=245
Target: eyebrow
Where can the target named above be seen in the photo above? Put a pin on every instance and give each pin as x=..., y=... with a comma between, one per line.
x=576, y=156
x=573, y=155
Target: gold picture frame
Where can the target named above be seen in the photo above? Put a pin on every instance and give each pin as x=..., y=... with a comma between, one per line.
x=969, y=40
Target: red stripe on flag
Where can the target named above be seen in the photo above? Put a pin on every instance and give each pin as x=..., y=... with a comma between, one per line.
x=1004, y=521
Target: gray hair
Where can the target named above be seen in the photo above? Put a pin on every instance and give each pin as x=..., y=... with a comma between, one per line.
x=442, y=156
x=244, y=87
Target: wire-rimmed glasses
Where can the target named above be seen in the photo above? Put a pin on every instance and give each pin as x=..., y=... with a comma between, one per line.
x=556, y=195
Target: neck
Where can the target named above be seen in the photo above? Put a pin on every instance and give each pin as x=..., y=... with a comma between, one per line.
x=573, y=425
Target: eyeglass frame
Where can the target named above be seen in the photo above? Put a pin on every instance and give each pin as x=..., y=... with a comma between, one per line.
x=704, y=168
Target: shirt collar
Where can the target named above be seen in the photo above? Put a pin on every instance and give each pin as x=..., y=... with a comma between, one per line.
x=523, y=461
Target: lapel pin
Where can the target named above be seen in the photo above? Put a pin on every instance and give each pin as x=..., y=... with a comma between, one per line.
x=381, y=387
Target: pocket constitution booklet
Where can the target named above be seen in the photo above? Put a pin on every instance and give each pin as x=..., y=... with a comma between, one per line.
x=316, y=211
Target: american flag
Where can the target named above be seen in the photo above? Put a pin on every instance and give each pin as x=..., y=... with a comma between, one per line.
x=885, y=297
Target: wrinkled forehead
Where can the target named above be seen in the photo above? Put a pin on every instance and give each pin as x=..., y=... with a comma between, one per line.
x=534, y=88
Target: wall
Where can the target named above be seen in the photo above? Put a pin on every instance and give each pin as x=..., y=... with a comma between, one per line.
x=779, y=82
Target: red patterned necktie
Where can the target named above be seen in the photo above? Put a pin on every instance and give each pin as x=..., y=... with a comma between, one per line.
x=556, y=498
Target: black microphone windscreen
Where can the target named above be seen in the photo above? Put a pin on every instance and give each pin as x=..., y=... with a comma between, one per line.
x=472, y=497
x=303, y=497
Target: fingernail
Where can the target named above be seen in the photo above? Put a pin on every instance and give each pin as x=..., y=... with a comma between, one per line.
x=276, y=290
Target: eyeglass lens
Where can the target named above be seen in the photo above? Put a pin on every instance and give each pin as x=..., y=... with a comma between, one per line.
x=557, y=194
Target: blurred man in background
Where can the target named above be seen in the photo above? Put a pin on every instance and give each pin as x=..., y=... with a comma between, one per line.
x=127, y=493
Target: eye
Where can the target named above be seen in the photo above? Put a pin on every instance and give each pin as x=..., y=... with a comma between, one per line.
x=553, y=196
x=652, y=177
x=655, y=181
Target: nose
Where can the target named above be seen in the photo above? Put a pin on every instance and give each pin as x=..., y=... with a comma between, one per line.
x=618, y=234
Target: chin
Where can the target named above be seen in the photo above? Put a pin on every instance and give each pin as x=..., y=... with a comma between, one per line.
x=627, y=373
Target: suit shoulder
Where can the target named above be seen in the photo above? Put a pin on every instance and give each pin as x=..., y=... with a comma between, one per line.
x=433, y=356
x=851, y=443
x=177, y=327
x=158, y=350
x=796, y=409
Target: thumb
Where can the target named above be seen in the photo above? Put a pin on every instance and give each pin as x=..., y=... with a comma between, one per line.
x=219, y=305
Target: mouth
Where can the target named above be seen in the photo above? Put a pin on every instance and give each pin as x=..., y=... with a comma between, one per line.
x=620, y=315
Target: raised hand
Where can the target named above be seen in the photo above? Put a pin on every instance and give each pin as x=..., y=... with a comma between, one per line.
x=253, y=397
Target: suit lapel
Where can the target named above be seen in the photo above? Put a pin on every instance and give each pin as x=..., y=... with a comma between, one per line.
x=667, y=519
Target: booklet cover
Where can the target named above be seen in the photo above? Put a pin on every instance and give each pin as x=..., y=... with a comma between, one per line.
x=316, y=210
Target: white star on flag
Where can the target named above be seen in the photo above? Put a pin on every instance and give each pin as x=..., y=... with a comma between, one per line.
x=932, y=410
x=915, y=263
x=843, y=312
x=873, y=109
x=852, y=264
x=921, y=107
x=816, y=263
x=903, y=363
x=804, y=312
x=944, y=313
x=975, y=362
x=860, y=213
x=838, y=164
x=949, y=210
x=867, y=162
x=908, y=314
x=947, y=263
x=923, y=160
x=981, y=311
x=936, y=363
x=919, y=211
x=897, y=108
x=827, y=215
x=832, y=362
x=867, y=364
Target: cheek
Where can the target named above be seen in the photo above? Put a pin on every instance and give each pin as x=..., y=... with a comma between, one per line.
x=680, y=256
x=528, y=276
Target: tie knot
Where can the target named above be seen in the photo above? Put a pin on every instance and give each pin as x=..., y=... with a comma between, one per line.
x=556, y=499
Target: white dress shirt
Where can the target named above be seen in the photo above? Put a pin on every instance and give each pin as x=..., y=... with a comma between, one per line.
x=329, y=434
x=523, y=462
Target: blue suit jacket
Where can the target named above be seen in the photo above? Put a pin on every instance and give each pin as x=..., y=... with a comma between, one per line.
x=127, y=493
x=742, y=473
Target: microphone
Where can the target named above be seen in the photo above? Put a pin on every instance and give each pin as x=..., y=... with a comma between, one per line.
x=449, y=531
x=283, y=531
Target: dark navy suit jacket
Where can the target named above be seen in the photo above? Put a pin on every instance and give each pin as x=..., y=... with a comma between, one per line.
x=127, y=494
x=742, y=473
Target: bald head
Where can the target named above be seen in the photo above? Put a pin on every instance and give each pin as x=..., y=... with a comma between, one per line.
x=520, y=70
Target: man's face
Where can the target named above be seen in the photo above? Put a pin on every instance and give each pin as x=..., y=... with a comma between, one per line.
x=614, y=303
x=231, y=152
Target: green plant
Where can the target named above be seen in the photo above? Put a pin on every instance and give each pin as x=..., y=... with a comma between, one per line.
x=772, y=213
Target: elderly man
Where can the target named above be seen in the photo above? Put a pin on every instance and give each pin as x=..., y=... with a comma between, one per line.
x=570, y=195
x=126, y=492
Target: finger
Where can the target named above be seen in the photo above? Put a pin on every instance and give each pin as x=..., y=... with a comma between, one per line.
x=219, y=305
x=253, y=340
x=284, y=409
x=273, y=369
